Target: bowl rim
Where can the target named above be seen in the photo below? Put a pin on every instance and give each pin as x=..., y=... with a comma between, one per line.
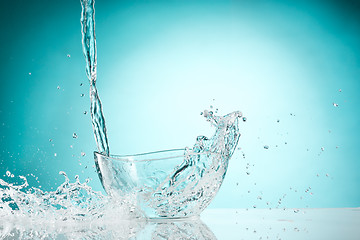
x=130, y=157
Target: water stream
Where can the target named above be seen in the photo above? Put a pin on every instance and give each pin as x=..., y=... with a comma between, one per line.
x=76, y=204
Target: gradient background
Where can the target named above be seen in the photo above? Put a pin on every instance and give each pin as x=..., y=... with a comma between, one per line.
x=160, y=63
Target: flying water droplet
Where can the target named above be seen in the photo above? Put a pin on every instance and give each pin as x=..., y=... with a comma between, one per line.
x=335, y=104
x=68, y=55
x=266, y=147
x=322, y=149
x=8, y=173
x=85, y=112
x=55, y=154
x=75, y=135
x=81, y=95
x=58, y=87
x=83, y=154
x=244, y=119
x=296, y=210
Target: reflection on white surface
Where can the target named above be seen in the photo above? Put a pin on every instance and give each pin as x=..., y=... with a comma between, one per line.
x=216, y=224
x=334, y=223
x=193, y=228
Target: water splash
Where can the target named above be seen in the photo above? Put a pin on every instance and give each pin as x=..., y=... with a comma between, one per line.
x=69, y=202
x=174, y=183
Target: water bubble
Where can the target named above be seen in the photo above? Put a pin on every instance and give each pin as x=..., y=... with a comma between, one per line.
x=75, y=135
x=81, y=95
x=83, y=154
x=244, y=119
x=68, y=55
x=266, y=147
x=335, y=104
x=85, y=112
x=8, y=173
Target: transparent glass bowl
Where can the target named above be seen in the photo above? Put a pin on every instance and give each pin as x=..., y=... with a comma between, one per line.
x=170, y=184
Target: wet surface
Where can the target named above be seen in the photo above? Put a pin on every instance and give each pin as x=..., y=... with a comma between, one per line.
x=215, y=224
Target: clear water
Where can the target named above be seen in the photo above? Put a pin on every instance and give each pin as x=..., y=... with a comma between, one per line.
x=74, y=206
x=89, y=49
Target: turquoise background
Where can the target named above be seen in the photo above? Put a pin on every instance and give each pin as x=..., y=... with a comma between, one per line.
x=160, y=63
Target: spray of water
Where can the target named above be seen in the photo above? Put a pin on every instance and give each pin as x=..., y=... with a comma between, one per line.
x=75, y=206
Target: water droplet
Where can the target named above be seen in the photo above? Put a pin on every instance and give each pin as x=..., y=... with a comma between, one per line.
x=340, y=90
x=237, y=184
x=335, y=104
x=83, y=154
x=266, y=147
x=278, y=120
x=68, y=55
x=247, y=173
x=244, y=119
x=12, y=175
x=55, y=154
x=50, y=140
x=71, y=146
x=85, y=112
x=322, y=149
x=254, y=206
x=81, y=84
x=81, y=95
x=327, y=174
x=30, y=73
x=259, y=197
x=296, y=210
x=211, y=106
x=8, y=173
x=58, y=87
x=75, y=135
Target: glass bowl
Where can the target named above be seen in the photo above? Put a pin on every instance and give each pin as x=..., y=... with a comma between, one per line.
x=170, y=184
